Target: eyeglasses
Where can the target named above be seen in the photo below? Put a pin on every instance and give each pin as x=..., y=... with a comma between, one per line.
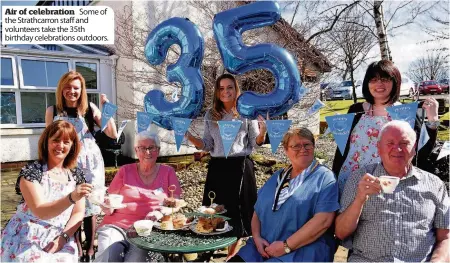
x=298, y=147
x=399, y=145
x=147, y=149
x=383, y=80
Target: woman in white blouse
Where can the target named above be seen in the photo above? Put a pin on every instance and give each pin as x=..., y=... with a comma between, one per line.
x=232, y=178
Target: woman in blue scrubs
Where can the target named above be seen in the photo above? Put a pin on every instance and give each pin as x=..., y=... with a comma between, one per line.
x=294, y=209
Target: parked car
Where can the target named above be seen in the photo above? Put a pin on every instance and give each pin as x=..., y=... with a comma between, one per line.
x=407, y=87
x=343, y=90
x=327, y=90
x=444, y=85
x=429, y=87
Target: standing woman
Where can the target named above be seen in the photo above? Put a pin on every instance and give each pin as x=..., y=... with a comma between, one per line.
x=72, y=105
x=233, y=178
x=381, y=88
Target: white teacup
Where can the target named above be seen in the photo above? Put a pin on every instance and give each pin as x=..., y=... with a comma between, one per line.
x=143, y=227
x=388, y=183
x=98, y=194
x=115, y=200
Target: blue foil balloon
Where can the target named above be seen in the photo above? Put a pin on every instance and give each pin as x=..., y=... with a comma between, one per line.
x=186, y=70
x=238, y=58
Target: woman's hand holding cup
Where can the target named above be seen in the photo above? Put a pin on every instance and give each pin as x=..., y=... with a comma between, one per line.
x=82, y=190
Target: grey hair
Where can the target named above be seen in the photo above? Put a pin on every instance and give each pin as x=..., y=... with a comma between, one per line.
x=402, y=125
x=146, y=135
x=302, y=132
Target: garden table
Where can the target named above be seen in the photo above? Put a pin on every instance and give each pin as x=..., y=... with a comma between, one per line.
x=180, y=242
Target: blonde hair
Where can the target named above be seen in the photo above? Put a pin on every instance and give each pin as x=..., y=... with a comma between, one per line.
x=218, y=107
x=65, y=80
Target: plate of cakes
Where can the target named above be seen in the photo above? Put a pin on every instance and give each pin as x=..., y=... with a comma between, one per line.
x=210, y=226
x=172, y=205
x=213, y=209
x=173, y=222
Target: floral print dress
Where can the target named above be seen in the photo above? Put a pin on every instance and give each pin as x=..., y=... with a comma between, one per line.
x=363, y=146
x=25, y=235
x=90, y=159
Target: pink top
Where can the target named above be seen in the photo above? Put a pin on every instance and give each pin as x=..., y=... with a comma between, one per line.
x=138, y=197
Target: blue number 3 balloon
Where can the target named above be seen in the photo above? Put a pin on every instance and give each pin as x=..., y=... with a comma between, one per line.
x=186, y=70
x=238, y=58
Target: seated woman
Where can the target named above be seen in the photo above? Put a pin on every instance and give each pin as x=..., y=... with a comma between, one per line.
x=294, y=209
x=136, y=183
x=52, y=205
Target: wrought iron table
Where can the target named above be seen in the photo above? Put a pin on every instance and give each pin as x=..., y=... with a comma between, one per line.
x=180, y=242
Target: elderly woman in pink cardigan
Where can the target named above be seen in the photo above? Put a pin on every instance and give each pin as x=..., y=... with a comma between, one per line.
x=139, y=184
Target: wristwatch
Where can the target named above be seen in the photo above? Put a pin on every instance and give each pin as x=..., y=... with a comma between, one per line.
x=432, y=124
x=65, y=236
x=287, y=249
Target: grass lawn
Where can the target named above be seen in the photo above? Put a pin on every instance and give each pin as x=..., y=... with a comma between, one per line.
x=336, y=107
x=444, y=135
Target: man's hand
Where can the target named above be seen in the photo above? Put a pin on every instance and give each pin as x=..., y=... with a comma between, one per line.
x=276, y=249
x=368, y=185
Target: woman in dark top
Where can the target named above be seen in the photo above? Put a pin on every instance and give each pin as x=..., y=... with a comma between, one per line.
x=72, y=105
x=381, y=88
x=232, y=178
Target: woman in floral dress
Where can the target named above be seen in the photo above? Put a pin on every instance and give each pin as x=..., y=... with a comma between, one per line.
x=52, y=205
x=381, y=89
x=72, y=105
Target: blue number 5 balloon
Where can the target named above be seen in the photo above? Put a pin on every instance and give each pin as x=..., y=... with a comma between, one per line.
x=238, y=58
x=186, y=70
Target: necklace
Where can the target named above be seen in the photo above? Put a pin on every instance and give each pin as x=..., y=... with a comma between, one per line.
x=147, y=178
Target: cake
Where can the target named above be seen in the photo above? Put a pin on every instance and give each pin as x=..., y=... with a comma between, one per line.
x=219, y=208
x=154, y=216
x=166, y=223
x=204, y=225
x=169, y=202
x=209, y=211
x=179, y=221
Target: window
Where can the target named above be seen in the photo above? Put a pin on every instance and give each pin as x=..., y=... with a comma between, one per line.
x=41, y=73
x=89, y=72
x=8, y=108
x=34, y=105
x=27, y=92
x=7, y=72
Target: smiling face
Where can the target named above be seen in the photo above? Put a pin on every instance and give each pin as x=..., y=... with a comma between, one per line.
x=72, y=91
x=227, y=91
x=147, y=151
x=380, y=88
x=58, y=148
x=300, y=151
x=396, y=148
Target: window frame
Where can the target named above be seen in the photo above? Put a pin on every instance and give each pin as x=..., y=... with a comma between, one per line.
x=14, y=71
x=21, y=81
x=74, y=66
x=19, y=86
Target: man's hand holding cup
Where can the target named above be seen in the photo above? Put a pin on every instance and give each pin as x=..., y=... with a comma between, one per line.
x=368, y=185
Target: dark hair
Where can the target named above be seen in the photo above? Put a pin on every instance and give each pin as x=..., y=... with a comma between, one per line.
x=60, y=129
x=382, y=69
x=218, y=107
x=304, y=133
